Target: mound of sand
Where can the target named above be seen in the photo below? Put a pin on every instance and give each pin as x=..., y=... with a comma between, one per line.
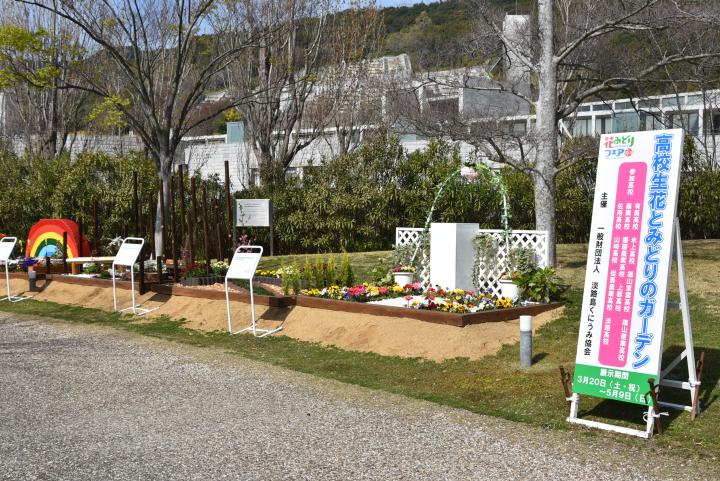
x=390, y=336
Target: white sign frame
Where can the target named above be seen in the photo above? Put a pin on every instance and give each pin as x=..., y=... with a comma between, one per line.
x=653, y=160
x=6, y=251
x=253, y=213
x=243, y=266
x=127, y=256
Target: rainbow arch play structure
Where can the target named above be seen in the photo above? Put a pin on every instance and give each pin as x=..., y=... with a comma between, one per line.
x=46, y=238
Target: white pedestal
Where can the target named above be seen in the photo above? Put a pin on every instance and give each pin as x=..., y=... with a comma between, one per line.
x=452, y=255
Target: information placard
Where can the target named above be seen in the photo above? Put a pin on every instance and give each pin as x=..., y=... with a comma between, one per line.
x=243, y=265
x=622, y=323
x=253, y=213
x=7, y=244
x=129, y=251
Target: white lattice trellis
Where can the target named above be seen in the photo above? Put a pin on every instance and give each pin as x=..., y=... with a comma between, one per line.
x=411, y=235
x=489, y=274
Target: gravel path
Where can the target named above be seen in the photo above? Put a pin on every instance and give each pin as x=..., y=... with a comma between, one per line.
x=80, y=402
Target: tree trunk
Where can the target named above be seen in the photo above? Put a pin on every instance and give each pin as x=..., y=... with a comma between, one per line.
x=164, y=174
x=547, y=150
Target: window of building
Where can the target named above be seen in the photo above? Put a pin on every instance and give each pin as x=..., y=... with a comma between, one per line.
x=712, y=122
x=626, y=122
x=582, y=127
x=623, y=105
x=603, y=125
x=650, y=122
x=649, y=103
x=696, y=99
x=688, y=121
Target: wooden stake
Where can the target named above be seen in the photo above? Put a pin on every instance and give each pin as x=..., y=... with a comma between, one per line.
x=230, y=220
x=655, y=407
x=96, y=228
x=181, y=190
x=565, y=380
x=206, y=228
x=161, y=203
x=192, y=225
x=151, y=227
x=173, y=231
x=141, y=257
x=64, y=253
x=218, y=232
x=696, y=398
x=135, y=205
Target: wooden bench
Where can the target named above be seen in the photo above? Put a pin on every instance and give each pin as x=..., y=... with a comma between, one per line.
x=76, y=263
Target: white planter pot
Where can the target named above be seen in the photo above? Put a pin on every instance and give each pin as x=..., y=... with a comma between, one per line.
x=508, y=289
x=403, y=278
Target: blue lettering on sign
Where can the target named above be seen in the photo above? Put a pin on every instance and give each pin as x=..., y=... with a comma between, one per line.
x=657, y=200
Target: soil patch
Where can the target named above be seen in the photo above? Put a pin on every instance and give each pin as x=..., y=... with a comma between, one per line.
x=389, y=336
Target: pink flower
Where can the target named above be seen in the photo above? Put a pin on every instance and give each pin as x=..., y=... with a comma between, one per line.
x=408, y=298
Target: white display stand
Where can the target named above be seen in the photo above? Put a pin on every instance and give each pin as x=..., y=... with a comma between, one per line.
x=127, y=256
x=688, y=354
x=243, y=266
x=7, y=245
x=452, y=254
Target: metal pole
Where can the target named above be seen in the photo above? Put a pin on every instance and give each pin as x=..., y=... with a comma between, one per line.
x=525, y=341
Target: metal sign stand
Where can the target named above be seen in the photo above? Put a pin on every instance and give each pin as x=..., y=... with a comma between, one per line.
x=243, y=266
x=693, y=382
x=127, y=256
x=7, y=245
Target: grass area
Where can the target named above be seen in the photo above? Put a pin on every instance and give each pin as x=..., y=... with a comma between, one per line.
x=494, y=385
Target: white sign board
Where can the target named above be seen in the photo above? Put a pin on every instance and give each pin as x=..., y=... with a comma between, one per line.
x=626, y=282
x=244, y=264
x=129, y=251
x=7, y=244
x=253, y=213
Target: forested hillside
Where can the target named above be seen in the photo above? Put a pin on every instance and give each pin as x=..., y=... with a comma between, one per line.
x=434, y=34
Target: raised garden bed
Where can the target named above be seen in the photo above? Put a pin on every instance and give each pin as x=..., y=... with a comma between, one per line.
x=449, y=318
x=202, y=281
x=437, y=317
x=178, y=290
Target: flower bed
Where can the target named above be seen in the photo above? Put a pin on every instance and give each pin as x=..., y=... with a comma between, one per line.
x=455, y=301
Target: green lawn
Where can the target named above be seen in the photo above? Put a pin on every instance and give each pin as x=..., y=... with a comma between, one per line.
x=494, y=385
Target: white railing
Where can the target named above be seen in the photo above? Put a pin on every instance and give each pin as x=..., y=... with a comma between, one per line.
x=489, y=274
x=411, y=235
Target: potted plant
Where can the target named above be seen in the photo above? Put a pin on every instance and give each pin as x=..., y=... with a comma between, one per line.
x=521, y=261
x=403, y=274
x=404, y=270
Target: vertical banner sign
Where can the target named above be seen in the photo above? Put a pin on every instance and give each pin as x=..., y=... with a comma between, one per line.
x=626, y=283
